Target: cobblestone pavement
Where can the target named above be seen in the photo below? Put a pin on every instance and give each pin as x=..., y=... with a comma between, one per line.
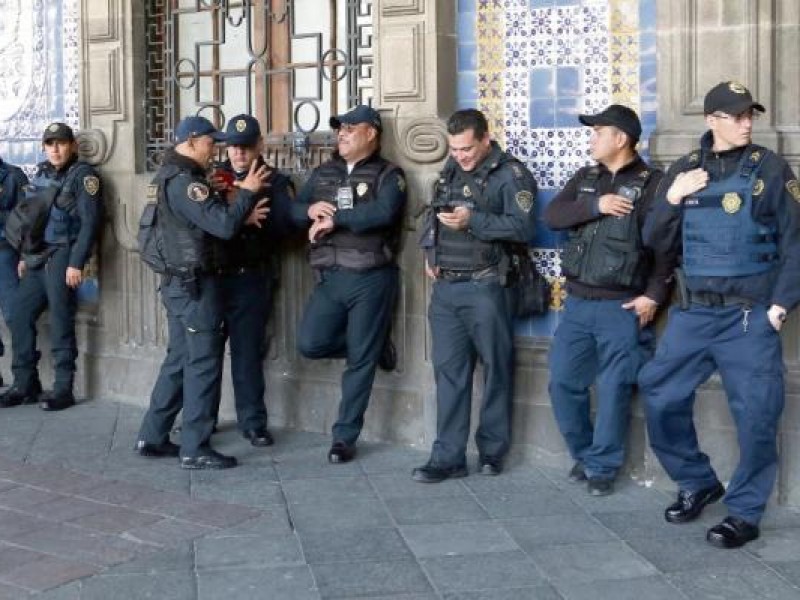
x=82, y=517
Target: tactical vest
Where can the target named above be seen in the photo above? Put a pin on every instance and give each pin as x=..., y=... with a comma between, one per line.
x=7, y=199
x=608, y=252
x=63, y=223
x=345, y=248
x=720, y=236
x=459, y=250
x=188, y=250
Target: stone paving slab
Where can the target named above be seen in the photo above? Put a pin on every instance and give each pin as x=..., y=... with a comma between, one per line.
x=84, y=518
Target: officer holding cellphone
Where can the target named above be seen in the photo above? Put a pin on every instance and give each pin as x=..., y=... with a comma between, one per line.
x=615, y=284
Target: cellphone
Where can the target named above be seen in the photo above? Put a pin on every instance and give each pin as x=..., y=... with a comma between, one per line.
x=629, y=193
x=445, y=209
x=225, y=176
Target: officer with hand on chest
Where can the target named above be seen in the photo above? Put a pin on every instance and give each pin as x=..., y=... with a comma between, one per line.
x=728, y=215
x=193, y=218
x=67, y=209
x=483, y=205
x=248, y=270
x=354, y=205
x=12, y=190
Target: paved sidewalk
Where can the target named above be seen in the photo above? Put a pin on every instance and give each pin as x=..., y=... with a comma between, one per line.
x=82, y=517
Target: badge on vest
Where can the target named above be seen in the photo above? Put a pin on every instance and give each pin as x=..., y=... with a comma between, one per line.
x=524, y=200
x=197, y=191
x=467, y=192
x=731, y=202
x=361, y=189
x=152, y=192
x=401, y=183
x=758, y=187
x=91, y=184
x=793, y=188
x=344, y=197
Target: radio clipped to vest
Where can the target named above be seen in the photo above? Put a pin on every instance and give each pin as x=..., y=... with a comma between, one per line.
x=150, y=239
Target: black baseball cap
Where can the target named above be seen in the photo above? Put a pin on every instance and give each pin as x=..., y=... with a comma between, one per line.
x=242, y=130
x=58, y=131
x=730, y=97
x=190, y=127
x=621, y=117
x=360, y=114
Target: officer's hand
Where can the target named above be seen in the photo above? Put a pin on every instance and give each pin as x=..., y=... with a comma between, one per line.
x=432, y=272
x=776, y=315
x=74, y=277
x=222, y=181
x=644, y=307
x=321, y=210
x=685, y=184
x=458, y=219
x=256, y=179
x=319, y=229
x=614, y=205
x=21, y=269
x=259, y=213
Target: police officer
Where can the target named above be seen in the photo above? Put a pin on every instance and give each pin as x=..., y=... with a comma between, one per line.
x=249, y=270
x=729, y=212
x=614, y=287
x=354, y=206
x=483, y=204
x=12, y=183
x=51, y=267
x=192, y=218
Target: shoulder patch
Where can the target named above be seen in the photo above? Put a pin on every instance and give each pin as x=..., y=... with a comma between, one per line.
x=758, y=187
x=793, y=188
x=91, y=184
x=401, y=183
x=197, y=191
x=524, y=200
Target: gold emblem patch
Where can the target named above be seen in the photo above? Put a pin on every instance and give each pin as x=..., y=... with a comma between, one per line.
x=758, y=187
x=755, y=156
x=737, y=88
x=91, y=184
x=152, y=192
x=644, y=174
x=524, y=200
x=731, y=202
x=694, y=156
x=361, y=188
x=401, y=183
x=53, y=127
x=793, y=188
x=197, y=191
x=240, y=125
x=467, y=192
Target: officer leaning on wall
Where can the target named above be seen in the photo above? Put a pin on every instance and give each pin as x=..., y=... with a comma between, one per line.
x=248, y=270
x=615, y=285
x=728, y=214
x=354, y=205
x=12, y=189
x=54, y=229
x=191, y=218
x=483, y=206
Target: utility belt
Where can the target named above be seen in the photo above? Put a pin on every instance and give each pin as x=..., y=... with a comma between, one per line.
x=461, y=275
x=713, y=299
x=257, y=269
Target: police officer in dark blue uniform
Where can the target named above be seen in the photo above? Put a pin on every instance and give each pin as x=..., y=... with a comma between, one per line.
x=729, y=212
x=483, y=204
x=51, y=267
x=249, y=270
x=354, y=204
x=12, y=183
x=615, y=285
x=192, y=218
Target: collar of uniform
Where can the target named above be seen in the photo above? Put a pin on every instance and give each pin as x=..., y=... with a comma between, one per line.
x=47, y=167
x=635, y=165
x=490, y=163
x=337, y=157
x=707, y=144
x=172, y=157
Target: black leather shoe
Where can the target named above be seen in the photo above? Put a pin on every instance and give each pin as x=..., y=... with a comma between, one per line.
x=258, y=437
x=733, y=532
x=491, y=465
x=167, y=449
x=341, y=452
x=430, y=473
x=388, y=358
x=209, y=459
x=16, y=396
x=576, y=473
x=689, y=505
x=600, y=487
x=57, y=401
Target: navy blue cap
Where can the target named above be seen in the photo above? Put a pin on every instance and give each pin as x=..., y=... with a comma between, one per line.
x=621, y=117
x=360, y=114
x=58, y=131
x=730, y=97
x=190, y=127
x=242, y=130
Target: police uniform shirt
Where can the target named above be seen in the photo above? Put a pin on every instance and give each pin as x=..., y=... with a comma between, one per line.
x=383, y=211
x=86, y=188
x=775, y=203
x=569, y=209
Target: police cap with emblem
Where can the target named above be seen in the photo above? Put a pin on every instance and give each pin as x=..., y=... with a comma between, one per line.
x=360, y=114
x=730, y=97
x=58, y=131
x=195, y=127
x=242, y=130
x=621, y=117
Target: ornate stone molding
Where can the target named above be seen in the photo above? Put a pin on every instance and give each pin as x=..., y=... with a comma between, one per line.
x=423, y=140
x=93, y=146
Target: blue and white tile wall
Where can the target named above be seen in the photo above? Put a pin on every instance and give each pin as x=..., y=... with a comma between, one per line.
x=533, y=66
